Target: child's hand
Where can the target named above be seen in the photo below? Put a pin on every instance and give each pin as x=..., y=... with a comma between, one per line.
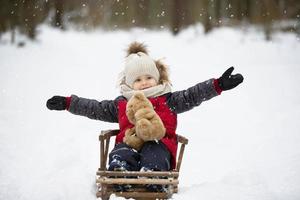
x=228, y=81
x=57, y=103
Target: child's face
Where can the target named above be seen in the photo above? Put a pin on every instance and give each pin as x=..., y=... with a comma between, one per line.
x=144, y=82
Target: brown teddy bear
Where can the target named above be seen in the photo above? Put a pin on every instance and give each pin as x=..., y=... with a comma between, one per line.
x=148, y=125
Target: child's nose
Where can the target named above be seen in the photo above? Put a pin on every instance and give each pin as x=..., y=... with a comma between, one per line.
x=144, y=82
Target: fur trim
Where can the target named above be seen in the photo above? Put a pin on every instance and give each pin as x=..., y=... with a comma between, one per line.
x=163, y=72
x=136, y=47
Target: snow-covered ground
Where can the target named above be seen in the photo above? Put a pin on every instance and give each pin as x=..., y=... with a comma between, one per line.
x=244, y=144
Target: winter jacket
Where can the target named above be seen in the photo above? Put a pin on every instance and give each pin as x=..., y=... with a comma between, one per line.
x=166, y=106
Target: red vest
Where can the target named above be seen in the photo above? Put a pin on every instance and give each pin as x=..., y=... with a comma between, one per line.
x=168, y=117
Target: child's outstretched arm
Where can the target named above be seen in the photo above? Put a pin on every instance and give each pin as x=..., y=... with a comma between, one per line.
x=185, y=100
x=104, y=110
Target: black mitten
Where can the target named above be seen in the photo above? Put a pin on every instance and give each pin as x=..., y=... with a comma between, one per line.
x=228, y=81
x=57, y=103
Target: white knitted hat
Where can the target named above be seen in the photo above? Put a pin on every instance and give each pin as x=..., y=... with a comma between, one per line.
x=138, y=64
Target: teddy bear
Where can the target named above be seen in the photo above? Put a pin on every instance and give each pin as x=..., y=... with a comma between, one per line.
x=147, y=124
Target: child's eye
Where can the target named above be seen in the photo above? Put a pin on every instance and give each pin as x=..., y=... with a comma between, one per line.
x=138, y=80
x=149, y=77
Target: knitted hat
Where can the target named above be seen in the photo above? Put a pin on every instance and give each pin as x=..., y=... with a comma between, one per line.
x=138, y=64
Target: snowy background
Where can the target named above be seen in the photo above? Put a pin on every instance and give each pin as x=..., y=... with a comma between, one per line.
x=243, y=144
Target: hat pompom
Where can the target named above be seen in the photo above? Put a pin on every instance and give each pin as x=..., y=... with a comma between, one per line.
x=163, y=72
x=136, y=47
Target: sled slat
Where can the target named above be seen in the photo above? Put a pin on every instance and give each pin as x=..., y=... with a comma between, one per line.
x=178, y=165
x=138, y=173
x=158, y=195
x=104, y=180
x=139, y=191
x=108, y=133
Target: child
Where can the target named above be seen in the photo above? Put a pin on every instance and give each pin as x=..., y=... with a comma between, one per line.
x=143, y=73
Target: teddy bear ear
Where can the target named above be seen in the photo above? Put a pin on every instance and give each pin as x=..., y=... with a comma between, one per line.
x=136, y=47
x=163, y=72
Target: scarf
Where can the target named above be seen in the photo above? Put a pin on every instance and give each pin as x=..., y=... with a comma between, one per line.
x=154, y=91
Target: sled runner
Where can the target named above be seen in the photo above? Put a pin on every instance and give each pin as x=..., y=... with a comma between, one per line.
x=107, y=179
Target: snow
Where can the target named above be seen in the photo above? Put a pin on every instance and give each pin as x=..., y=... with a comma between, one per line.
x=243, y=144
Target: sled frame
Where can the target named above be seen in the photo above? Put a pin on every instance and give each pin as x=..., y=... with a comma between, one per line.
x=104, y=180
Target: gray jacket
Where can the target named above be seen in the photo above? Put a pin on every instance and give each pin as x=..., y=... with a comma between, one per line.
x=178, y=102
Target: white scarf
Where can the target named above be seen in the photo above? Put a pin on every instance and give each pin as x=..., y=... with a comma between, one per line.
x=154, y=91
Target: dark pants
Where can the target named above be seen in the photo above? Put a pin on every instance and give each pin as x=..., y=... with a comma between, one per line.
x=154, y=156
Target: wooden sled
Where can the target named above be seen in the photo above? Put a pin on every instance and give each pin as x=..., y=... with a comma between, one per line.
x=105, y=182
